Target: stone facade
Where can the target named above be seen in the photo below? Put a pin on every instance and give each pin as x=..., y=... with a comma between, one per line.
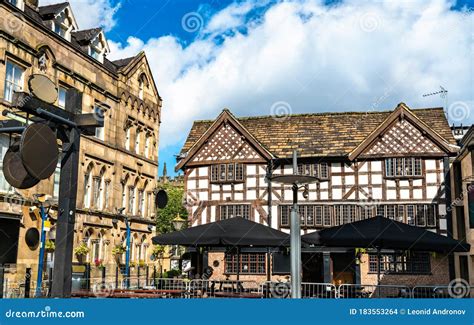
x=118, y=166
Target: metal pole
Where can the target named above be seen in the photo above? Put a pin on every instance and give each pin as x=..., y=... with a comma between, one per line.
x=295, y=237
x=238, y=263
x=2, y=280
x=27, y=282
x=378, y=266
x=127, y=255
x=66, y=216
x=39, y=278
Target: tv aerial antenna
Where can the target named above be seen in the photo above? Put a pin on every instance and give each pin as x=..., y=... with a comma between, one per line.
x=443, y=93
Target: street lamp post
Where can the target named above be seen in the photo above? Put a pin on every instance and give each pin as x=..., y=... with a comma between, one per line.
x=295, y=181
x=178, y=223
x=39, y=278
x=41, y=198
x=127, y=243
x=127, y=253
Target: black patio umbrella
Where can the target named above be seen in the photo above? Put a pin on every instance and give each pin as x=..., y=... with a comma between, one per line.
x=230, y=232
x=236, y=232
x=383, y=233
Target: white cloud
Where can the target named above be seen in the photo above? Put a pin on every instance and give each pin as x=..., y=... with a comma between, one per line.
x=350, y=56
x=91, y=13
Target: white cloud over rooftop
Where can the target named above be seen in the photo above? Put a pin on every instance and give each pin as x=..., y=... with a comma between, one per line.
x=345, y=57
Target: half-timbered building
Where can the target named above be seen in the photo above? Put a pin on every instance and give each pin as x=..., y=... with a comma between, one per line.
x=390, y=163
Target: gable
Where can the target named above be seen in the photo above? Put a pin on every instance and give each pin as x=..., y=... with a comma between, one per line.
x=226, y=144
x=402, y=138
x=138, y=67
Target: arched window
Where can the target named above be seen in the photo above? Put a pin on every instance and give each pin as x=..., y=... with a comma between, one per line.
x=143, y=249
x=147, y=146
x=87, y=187
x=141, y=202
x=138, y=136
x=131, y=199
x=142, y=84
x=88, y=241
x=127, y=137
x=99, y=192
x=98, y=249
x=141, y=88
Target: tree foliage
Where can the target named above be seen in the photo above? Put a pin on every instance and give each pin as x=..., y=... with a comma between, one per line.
x=174, y=207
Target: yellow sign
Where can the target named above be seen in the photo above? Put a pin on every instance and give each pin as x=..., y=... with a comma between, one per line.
x=78, y=268
x=47, y=225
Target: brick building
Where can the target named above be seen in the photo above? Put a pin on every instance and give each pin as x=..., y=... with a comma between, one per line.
x=118, y=166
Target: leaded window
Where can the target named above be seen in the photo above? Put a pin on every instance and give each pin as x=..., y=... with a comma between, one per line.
x=401, y=263
x=235, y=210
x=227, y=173
x=403, y=167
x=249, y=263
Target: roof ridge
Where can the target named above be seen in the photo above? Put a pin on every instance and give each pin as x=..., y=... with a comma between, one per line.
x=324, y=113
x=54, y=4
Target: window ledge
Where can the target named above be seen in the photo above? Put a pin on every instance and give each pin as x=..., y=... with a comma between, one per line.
x=404, y=177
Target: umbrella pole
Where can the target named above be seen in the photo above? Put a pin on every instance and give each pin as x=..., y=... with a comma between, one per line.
x=378, y=271
x=238, y=263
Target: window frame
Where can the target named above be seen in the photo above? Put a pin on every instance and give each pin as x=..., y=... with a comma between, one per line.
x=11, y=83
x=400, y=263
x=249, y=264
x=219, y=173
x=312, y=213
x=238, y=210
x=396, y=167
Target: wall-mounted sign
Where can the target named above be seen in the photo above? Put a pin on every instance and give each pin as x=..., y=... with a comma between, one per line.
x=43, y=88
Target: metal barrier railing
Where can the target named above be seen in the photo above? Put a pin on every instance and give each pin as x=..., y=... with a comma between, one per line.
x=318, y=290
x=443, y=291
x=271, y=289
x=373, y=291
x=308, y=290
x=109, y=287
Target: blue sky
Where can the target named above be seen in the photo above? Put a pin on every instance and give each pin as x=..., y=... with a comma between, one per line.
x=281, y=57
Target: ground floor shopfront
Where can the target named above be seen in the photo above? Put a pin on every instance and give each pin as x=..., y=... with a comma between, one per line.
x=335, y=266
x=101, y=234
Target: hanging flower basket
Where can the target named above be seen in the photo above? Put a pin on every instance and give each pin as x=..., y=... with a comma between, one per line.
x=49, y=246
x=118, y=251
x=81, y=252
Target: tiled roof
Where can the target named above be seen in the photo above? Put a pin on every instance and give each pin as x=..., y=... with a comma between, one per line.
x=123, y=62
x=320, y=134
x=52, y=9
x=86, y=35
x=77, y=38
